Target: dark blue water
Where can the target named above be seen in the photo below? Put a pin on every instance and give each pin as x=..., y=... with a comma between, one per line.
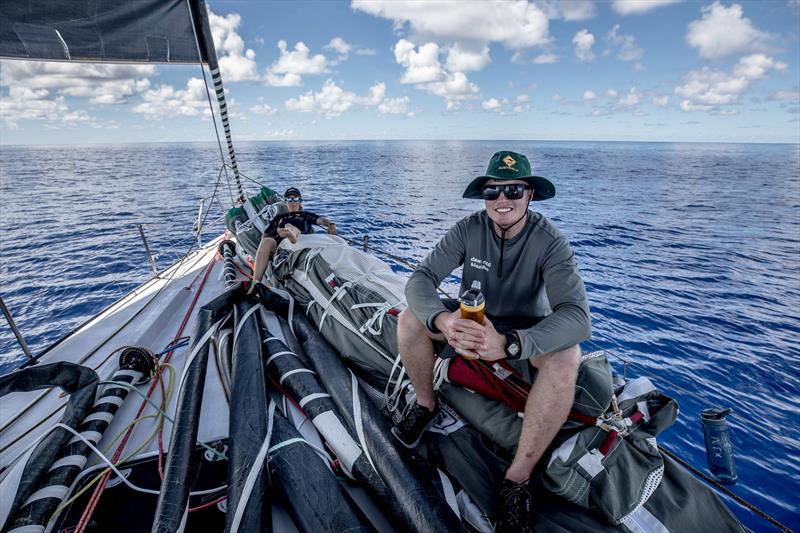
x=690, y=253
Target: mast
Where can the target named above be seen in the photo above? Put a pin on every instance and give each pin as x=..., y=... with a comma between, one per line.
x=207, y=50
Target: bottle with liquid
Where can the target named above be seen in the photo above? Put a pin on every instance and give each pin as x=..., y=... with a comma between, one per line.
x=472, y=306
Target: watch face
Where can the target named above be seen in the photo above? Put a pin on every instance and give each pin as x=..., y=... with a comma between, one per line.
x=513, y=348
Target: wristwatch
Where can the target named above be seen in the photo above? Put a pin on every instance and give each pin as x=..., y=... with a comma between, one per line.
x=513, y=346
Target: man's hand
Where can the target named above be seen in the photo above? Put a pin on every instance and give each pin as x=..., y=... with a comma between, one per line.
x=470, y=338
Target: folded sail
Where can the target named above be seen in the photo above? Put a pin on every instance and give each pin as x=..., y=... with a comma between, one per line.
x=150, y=31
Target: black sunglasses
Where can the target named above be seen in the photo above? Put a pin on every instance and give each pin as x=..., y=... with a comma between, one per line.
x=512, y=192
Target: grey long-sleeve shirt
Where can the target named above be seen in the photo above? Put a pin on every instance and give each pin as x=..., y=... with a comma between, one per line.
x=540, y=279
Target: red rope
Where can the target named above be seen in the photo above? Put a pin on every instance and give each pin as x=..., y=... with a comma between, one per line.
x=98, y=491
x=207, y=504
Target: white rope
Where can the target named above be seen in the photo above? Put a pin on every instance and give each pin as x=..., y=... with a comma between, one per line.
x=120, y=475
x=393, y=398
x=359, y=419
x=242, y=322
x=255, y=471
x=382, y=309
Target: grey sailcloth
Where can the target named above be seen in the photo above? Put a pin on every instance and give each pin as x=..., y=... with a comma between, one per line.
x=605, y=471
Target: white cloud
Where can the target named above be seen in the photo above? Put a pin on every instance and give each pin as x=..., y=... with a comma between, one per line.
x=514, y=24
x=394, y=106
x=461, y=59
x=557, y=98
x=421, y=64
x=573, y=10
x=545, y=59
x=366, y=52
x=100, y=83
x=522, y=98
x=263, y=109
x=504, y=107
x=583, y=42
x=279, y=134
x=625, y=45
x=724, y=31
x=455, y=86
x=611, y=93
x=235, y=63
x=341, y=46
x=492, y=104
x=292, y=64
x=589, y=95
x=333, y=101
x=786, y=96
x=637, y=7
x=631, y=98
x=660, y=101
x=705, y=89
x=165, y=101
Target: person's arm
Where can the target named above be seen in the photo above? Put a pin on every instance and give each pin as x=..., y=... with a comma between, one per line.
x=421, y=294
x=570, y=322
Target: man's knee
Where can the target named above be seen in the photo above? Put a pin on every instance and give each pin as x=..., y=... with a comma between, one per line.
x=563, y=363
x=408, y=323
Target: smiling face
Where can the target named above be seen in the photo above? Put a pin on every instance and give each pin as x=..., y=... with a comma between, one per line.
x=504, y=211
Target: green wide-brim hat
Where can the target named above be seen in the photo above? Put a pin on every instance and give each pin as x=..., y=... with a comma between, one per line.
x=507, y=165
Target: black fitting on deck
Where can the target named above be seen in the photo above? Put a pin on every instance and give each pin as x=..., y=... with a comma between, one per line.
x=138, y=359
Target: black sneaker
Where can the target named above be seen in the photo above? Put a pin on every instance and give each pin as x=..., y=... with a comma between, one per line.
x=516, y=508
x=415, y=421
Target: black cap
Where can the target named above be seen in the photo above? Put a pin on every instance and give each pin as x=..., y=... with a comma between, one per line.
x=292, y=191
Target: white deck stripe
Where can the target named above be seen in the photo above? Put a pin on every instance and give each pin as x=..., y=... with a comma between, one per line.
x=312, y=397
x=53, y=491
x=100, y=415
x=295, y=371
x=70, y=460
x=116, y=400
x=271, y=357
x=28, y=529
x=287, y=443
x=92, y=436
x=135, y=374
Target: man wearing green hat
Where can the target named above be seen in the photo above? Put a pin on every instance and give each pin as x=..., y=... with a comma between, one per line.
x=536, y=310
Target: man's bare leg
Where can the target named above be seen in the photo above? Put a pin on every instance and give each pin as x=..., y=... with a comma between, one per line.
x=546, y=409
x=266, y=248
x=416, y=352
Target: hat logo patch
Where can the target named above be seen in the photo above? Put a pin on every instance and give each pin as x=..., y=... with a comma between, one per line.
x=510, y=162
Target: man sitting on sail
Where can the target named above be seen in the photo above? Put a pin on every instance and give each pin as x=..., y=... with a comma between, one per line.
x=538, y=311
x=285, y=226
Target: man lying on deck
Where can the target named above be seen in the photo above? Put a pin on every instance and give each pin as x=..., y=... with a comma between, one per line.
x=285, y=226
x=536, y=310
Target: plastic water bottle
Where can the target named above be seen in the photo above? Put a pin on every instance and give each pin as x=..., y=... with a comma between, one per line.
x=472, y=306
x=718, y=444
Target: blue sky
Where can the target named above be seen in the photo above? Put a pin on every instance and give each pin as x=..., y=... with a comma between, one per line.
x=652, y=70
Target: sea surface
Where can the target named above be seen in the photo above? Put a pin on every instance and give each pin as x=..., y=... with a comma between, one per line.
x=690, y=254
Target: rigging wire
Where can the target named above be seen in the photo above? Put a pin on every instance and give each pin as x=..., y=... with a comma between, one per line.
x=210, y=104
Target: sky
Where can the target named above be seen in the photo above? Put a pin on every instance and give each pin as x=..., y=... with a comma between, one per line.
x=621, y=70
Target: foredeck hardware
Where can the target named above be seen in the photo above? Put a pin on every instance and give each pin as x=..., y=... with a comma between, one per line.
x=20, y=339
x=147, y=249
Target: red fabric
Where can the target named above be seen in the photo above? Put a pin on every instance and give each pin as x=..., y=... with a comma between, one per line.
x=477, y=375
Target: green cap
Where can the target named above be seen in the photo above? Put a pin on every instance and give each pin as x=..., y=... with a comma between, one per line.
x=507, y=165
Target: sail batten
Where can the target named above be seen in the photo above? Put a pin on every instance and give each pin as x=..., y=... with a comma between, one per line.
x=143, y=31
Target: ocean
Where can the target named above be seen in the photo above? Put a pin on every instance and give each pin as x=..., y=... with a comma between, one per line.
x=690, y=254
